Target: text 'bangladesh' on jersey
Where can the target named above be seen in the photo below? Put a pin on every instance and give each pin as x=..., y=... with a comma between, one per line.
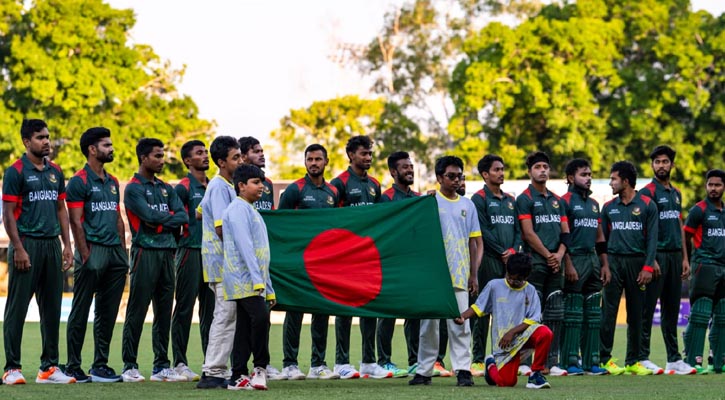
x=154, y=211
x=546, y=212
x=304, y=194
x=497, y=217
x=583, y=217
x=36, y=194
x=190, y=192
x=707, y=225
x=100, y=200
x=266, y=202
x=355, y=190
x=669, y=208
x=631, y=229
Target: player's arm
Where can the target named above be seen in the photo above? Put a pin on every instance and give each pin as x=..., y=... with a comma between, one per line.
x=183, y=196
x=685, y=259
x=645, y=275
x=21, y=259
x=179, y=216
x=64, y=224
x=75, y=197
x=564, y=237
x=135, y=201
x=693, y=222
x=475, y=249
x=529, y=237
x=601, y=247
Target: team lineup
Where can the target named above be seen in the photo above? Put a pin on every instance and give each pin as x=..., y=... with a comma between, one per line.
x=542, y=274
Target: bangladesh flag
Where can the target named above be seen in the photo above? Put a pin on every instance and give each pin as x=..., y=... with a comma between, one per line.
x=385, y=260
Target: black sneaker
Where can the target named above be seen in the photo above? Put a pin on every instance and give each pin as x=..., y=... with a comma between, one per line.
x=464, y=378
x=211, y=382
x=78, y=374
x=420, y=380
x=104, y=374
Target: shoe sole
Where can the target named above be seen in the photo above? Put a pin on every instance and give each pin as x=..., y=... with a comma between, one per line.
x=673, y=372
x=596, y=373
x=532, y=386
x=126, y=380
x=353, y=376
x=47, y=382
x=260, y=387
x=14, y=383
x=166, y=380
x=98, y=379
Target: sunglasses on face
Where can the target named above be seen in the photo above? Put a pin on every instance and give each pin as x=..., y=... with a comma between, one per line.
x=453, y=176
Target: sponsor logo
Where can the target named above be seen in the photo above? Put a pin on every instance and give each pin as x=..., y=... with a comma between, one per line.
x=578, y=208
x=32, y=178
x=613, y=211
x=663, y=200
x=95, y=189
x=537, y=204
x=636, y=211
x=712, y=218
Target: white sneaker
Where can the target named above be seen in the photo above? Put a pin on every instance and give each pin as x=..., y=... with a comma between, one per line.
x=273, y=374
x=679, y=367
x=259, y=378
x=375, y=371
x=322, y=372
x=54, y=375
x=184, y=370
x=524, y=370
x=132, y=375
x=346, y=371
x=167, y=375
x=243, y=383
x=652, y=367
x=556, y=371
x=293, y=373
x=13, y=377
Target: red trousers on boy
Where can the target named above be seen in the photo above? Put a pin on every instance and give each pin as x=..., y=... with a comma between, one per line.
x=540, y=341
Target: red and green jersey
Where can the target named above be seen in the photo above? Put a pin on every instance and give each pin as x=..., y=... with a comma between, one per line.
x=497, y=217
x=304, y=194
x=154, y=212
x=669, y=207
x=582, y=213
x=100, y=200
x=36, y=194
x=631, y=229
x=355, y=190
x=395, y=193
x=266, y=202
x=546, y=212
x=190, y=192
x=706, y=223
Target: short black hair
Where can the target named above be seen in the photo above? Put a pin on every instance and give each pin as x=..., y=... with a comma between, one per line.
x=246, y=143
x=31, y=126
x=519, y=264
x=715, y=173
x=188, y=146
x=664, y=149
x=220, y=147
x=316, y=147
x=244, y=173
x=626, y=170
x=356, y=142
x=537, y=156
x=395, y=157
x=573, y=166
x=485, y=163
x=146, y=145
x=445, y=161
x=91, y=137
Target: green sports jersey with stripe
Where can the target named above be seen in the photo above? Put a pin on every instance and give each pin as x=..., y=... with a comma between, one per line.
x=100, y=200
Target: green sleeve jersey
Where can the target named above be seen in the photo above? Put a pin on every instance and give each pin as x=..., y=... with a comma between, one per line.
x=190, y=192
x=36, y=194
x=631, y=229
x=499, y=225
x=356, y=191
x=100, y=200
x=669, y=208
x=266, y=202
x=303, y=194
x=395, y=193
x=706, y=223
x=582, y=214
x=154, y=211
x=546, y=212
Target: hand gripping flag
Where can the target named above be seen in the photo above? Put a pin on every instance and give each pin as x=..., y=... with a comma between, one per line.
x=383, y=260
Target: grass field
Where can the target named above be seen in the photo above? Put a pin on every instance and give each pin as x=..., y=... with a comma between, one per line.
x=580, y=387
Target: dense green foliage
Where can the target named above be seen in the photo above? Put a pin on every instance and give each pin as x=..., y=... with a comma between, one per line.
x=70, y=63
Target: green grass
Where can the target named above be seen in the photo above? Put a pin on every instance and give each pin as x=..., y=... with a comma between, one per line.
x=581, y=387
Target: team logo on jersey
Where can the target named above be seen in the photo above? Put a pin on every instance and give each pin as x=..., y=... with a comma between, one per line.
x=511, y=205
x=677, y=199
x=371, y=190
x=526, y=303
x=52, y=178
x=463, y=213
x=163, y=192
x=555, y=204
x=266, y=190
x=330, y=201
x=114, y=190
x=636, y=211
x=595, y=208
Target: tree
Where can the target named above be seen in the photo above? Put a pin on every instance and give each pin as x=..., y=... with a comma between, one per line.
x=332, y=122
x=68, y=62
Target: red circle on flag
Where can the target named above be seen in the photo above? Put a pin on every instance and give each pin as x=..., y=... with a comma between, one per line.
x=344, y=267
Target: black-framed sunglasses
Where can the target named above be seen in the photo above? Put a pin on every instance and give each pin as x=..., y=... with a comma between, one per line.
x=453, y=176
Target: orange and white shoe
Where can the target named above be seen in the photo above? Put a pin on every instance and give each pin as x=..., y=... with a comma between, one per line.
x=13, y=377
x=439, y=370
x=54, y=375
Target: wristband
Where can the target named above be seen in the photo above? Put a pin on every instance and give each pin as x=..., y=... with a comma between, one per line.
x=601, y=248
x=565, y=239
x=648, y=269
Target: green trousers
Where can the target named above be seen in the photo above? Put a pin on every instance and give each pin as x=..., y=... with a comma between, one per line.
x=291, y=338
x=386, y=329
x=44, y=279
x=625, y=270
x=102, y=275
x=190, y=285
x=152, y=280
x=343, y=327
x=491, y=268
x=667, y=289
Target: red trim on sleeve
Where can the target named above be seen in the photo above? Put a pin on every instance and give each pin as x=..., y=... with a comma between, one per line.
x=12, y=199
x=524, y=216
x=61, y=196
x=565, y=219
x=690, y=229
x=74, y=204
